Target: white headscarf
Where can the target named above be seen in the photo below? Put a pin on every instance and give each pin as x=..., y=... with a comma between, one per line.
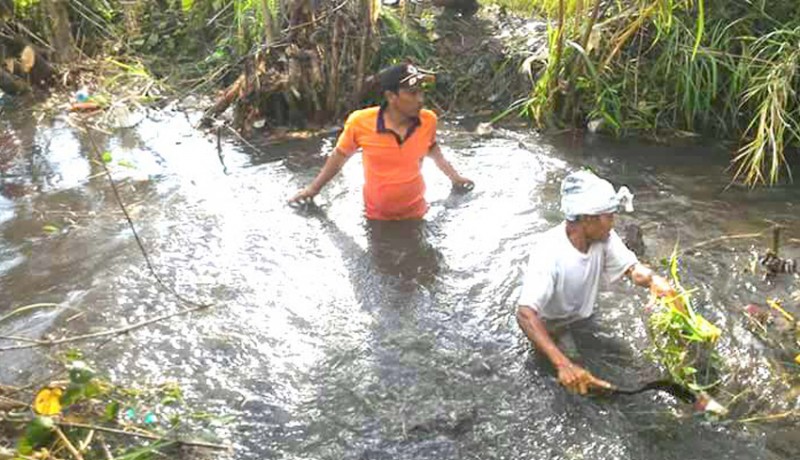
x=585, y=194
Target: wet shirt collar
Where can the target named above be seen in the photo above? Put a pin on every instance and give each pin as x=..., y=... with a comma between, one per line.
x=381, y=125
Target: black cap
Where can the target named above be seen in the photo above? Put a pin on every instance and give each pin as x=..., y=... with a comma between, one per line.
x=403, y=76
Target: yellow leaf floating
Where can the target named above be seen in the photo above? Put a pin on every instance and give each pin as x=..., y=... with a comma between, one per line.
x=797, y=359
x=48, y=401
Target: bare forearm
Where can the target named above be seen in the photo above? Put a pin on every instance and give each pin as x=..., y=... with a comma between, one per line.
x=443, y=164
x=534, y=329
x=332, y=167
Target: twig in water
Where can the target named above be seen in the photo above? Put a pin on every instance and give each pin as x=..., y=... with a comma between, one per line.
x=122, y=330
x=106, y=450
x=764, y=418
x=151, y=268
x=10, y=403
x=83, y=445
x=241, y=138
x=22, y=339
x=724, y=238
x=72, y=450
x=27, y=308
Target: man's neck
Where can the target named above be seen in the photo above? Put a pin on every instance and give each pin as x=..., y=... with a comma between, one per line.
x=395, y=120
x=577, y=237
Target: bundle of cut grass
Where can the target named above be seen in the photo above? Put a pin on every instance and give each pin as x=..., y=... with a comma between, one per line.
x=682, y=340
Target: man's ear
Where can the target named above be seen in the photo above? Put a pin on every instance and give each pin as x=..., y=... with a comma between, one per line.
x=389, y=95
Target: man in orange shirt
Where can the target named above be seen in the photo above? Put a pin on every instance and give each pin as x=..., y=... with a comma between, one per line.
x=394, y=139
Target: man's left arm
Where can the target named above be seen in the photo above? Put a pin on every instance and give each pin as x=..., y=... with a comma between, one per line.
x=441, y=162
x=621, y=261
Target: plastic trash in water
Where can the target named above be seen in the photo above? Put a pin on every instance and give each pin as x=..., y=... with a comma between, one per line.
x=150, y=418
x=82, y=95
x=130, y=414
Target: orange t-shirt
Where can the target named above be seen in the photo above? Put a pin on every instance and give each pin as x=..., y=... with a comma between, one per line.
x=393, y=185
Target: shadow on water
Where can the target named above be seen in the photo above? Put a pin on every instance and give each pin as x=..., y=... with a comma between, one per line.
x=398, y=249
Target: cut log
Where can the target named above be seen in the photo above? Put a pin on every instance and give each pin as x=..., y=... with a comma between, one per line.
x=34, y=64
x=227, y=98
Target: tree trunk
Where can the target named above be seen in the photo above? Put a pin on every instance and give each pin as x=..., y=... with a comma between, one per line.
x=370, y=8
x=269, y=25
x=60, y=35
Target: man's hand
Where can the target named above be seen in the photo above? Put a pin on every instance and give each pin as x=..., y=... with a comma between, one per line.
x=303, y=196
x=578, y=380
x=462, y=183
x=660, y=287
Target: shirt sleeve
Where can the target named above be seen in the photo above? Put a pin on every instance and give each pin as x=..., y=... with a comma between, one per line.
x=618, y=258
x=347, y=143
x=432, y=120
x=539, y=282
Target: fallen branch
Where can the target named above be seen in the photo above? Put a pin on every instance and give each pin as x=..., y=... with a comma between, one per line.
x=153, y=437
x=118, y=331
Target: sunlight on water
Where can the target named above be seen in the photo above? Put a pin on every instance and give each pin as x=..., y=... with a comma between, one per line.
x=333, y=339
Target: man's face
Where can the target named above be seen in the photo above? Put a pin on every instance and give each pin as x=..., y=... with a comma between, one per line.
x=598, y=228
x=407, y=101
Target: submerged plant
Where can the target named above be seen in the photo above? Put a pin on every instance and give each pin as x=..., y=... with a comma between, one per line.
x=682, y=339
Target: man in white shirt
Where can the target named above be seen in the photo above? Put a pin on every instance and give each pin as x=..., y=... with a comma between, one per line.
x=566, y=265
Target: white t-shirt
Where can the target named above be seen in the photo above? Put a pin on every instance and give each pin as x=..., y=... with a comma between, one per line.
x=561, y=282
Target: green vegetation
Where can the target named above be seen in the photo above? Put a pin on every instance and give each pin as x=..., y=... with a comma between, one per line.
x=682, y=339
x=725, y=69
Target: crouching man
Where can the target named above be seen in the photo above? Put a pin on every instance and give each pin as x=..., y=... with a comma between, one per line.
x=565, y=268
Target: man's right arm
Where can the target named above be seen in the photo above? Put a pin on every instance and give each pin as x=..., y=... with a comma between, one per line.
x=332, y=166
x=534, y=329
x=574, y=377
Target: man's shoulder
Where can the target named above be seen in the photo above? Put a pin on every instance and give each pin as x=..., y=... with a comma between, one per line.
x=363, y=117
x=549, y=242
x=427, y=116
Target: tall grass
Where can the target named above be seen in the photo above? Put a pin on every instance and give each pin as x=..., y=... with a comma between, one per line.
x=728, y=69
x=402, y=38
